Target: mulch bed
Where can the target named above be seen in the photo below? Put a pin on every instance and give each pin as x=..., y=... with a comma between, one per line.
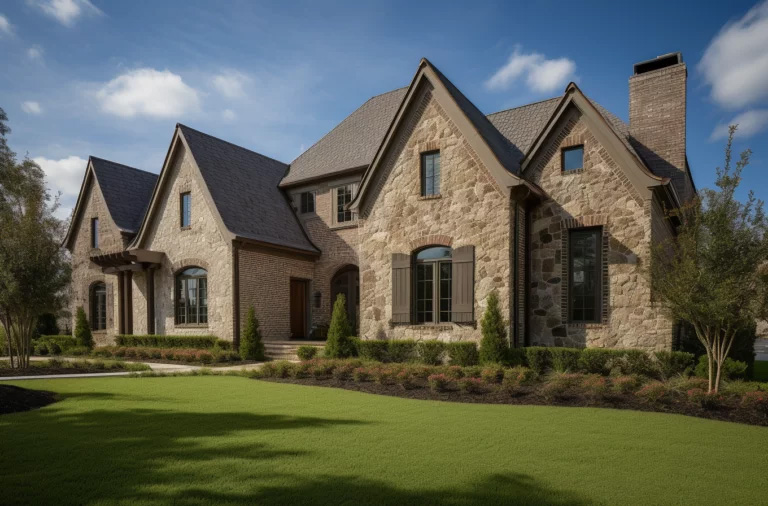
x=15, y=399
x=49, y=371
x=728, y=412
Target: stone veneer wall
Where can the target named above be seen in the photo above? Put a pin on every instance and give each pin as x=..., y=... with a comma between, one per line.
x=84, y=272
x=396, y=219
x=598, y=195
x=202, y=245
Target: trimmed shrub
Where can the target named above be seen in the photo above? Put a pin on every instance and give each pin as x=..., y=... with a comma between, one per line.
x=340, y=343
x=522, y=376
x=251, y=347
x=635, y=362
x=755, y=400
x=41, y=349
x=406, y=380
x=322, y=369
x=83, y=334
x=78, y=351
x=453, y=372
x=707, y=401
x=598, y=360
x=383, y=375
x=553, y=390
x=401, y=350
x=492, y=375
x=493, y=345
x=431, y=352
x=515, y=357
x=306, y=352
x=64, y=342
x=343, y=372
x=538, y=358
x=595, y=386
x=473, y=371
x=673, y=363
x=654, y=391
x=625, y=384
x=420, y=371
x=223, y=345
x=372, y=349
x=564, y=359
x=301, y=370
x=463, y=353
x=361, y=374
x=732, y=369
x=438, y=382
x=156, y=341
x=472, y=385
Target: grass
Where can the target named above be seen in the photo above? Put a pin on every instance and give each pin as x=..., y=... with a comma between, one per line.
x=761, y=370
x=231, y=440
x=81, y=363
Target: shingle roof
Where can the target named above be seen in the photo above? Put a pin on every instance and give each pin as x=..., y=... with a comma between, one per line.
x=127, y=192
x=244, y=187
x=352, y=143
x=521, y=125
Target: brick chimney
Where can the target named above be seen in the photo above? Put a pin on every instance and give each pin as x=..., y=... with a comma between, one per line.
x=657, y=109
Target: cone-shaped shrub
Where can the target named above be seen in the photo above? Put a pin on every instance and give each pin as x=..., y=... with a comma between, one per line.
x=251, y=347
x=83, y=334
x=340, y=343
x=493, y=346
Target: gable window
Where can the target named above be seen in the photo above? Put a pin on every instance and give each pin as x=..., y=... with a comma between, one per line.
x=344, y=196
x=430, y=173
x=98, y=301
x=307, y=202
x=433, y=285
x=584, y=267
x=94, y=233
x=186, y=210
x=573, y=158
x=192, y=297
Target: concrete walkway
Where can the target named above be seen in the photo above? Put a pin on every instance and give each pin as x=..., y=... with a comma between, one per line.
x=154, y=366
x=761, y=349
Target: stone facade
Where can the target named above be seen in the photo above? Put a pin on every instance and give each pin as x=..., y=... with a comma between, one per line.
x=597, y=195
x=471, y=210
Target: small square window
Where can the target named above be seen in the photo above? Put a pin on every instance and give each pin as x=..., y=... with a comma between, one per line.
x=307, y=202
x=573, y=158
x=186, y=210
x=95, y=233
x=430, y=173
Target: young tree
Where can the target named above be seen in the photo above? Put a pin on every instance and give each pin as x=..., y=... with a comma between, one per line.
x=34, y=271
x=83, y=335
x=339, y=343
x=493, y=346
x=713, y=273
x=251, y=347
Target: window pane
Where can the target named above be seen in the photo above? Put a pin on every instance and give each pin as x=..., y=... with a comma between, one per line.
x=424, y=297
x=573, y=158
x=585, y=275
x=308, y=202
x=435, y=253
x=186, y=209
x=430, y=173
x=94, y=233
x=445, y=291
x=343, y=197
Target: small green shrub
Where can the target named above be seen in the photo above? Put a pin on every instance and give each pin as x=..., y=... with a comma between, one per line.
x=492, y=375
x=41, y=349
x=564, y=359
x=251, y=346
x=673, y=363
x=431, y=352
x=493, y=345
x=340, y=343
x=301, y=370
x=223, y=345
x=519, y=376
x=595, y=386
x=635, y=362
x=420, y=371
x=438, y=382
x=453, y=372
x=83, y=329
x=64, y=342
x=157, y=341
x=306, y=352
x=472, y=385
x=373, y=349
x=757, y=401
x=53, y=348
x=78, y=351
x=401, y=350
x=343, y=372
x=473, y=371
x=553, y=390
x=625, y=384
x=538, y=358
x=383, y=375
x=652, y=392
x=515, y=357
x=322, y=369
x=700, y=397
x=361, y=374
x=598, y=360
x=463, y=353
x=731, y=369
x=406, y=380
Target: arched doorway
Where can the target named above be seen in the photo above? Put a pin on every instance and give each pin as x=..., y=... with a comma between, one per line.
x=347, y=281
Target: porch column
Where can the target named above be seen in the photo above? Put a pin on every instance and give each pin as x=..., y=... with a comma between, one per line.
x=128, y=302
x=120, y=303
x=150, y=273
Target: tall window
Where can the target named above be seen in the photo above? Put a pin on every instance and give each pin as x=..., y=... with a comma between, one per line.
x=433, y=285
x=94, y=233
x=186, y=209
x=430, y=173
x=98, y=306
x=192, y=296
x=584, y=264
x=307, y=202
x=344, y=196
x=573, y=158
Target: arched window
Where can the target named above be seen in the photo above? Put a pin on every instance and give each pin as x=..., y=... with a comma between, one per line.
x=192, y=296
x=433, y=284
x=98, y=305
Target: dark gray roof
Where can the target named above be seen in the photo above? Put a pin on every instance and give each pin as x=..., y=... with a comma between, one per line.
x=127, y=192
x=352, y=143
x=244, y=187
x=521, y=125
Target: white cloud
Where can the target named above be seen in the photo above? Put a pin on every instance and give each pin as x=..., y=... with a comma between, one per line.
x=735, y=63
x=229, y=114
x=749, y=123
x=148, y=92
x=31, y=107
x=35, y=53
x=231, y=83
x=5, y=26
x=541, y=75
x=66, y=12
x=65, y=176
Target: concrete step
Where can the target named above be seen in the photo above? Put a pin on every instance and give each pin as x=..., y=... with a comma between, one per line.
x=286, y=350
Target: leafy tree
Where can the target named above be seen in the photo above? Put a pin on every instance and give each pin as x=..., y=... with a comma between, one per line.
x=47, y=325
x=714, y=273
x=83, y=334
x=251, y=346
x=34, y=271
x=493, y=346
x=340, y=343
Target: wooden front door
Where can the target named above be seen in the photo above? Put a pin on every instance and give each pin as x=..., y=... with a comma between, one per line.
x=298, y=308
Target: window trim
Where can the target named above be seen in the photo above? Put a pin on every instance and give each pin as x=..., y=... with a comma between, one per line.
x=179, y=287
x=97, y=323
x=95, y=232
x=303, y=208
x=335, y=204
x=562, y=157
x=423, y=174
x=599, y=289
x=437, y=295
x=182, y=195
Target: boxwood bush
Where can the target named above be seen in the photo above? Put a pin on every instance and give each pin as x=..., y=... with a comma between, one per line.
x=431, y=352
x=463, y=353
x=306, y=352
x=155, y=341
x=64, y=343
x=673, y=363
x=565, y=359
x=373, y=349
x=401, y=350
x=538, y=358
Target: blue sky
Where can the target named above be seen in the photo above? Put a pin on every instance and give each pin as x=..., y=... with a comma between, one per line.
x=111, y=79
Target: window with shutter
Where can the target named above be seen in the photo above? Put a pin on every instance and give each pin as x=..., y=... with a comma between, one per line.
x=401, y=288
x=463, y=281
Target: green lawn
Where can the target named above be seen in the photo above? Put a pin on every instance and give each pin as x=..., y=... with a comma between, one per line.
x=231, y=440
x=761, y=370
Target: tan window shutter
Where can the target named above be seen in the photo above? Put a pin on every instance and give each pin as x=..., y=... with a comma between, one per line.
x=463, y=285
x=401, y=288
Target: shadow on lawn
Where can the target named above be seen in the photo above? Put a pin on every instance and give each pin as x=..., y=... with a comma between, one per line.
x=158, y=456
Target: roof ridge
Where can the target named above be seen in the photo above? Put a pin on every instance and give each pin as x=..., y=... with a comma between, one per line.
x=231, y=144
x=524, y=105
x=122, y=165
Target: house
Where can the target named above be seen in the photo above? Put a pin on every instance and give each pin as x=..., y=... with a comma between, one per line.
x=416, y=207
